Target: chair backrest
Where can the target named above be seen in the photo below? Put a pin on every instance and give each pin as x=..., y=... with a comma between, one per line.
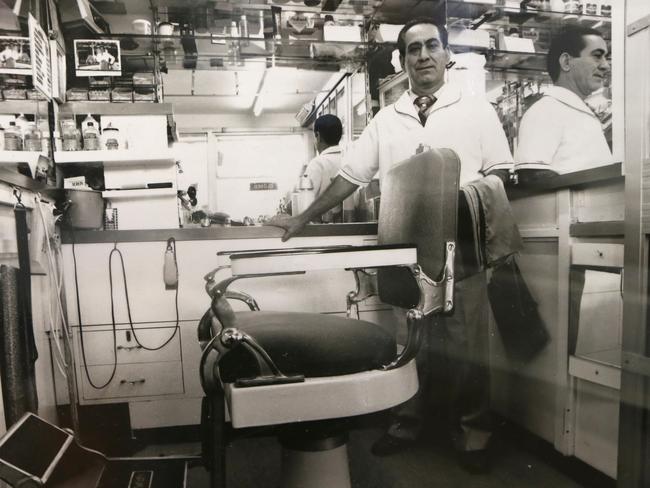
x=419, y=205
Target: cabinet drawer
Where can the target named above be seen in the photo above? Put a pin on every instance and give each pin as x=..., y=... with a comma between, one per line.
x=98, y=346
x=133, y=380
x=596, y=254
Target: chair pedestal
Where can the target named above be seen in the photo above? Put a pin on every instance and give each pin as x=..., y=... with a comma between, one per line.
x=315, y=455
x=315, y=469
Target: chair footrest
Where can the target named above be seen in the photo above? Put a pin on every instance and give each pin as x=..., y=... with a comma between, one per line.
x=269, y=380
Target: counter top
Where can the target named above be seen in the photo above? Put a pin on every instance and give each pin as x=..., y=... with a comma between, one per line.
x=610, y=172
x=215, y=233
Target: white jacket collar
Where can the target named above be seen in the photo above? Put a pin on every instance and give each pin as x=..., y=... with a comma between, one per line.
x=446, y=95
x=569, y=98
x=330, y=150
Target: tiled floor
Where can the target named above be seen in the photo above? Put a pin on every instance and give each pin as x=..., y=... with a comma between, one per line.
x=255, y=463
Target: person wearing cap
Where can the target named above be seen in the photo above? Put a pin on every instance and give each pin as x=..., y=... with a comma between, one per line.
x=560, y=131
x=435, y=114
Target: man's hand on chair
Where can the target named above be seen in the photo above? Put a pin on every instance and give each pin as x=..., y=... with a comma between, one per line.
x=291, y=225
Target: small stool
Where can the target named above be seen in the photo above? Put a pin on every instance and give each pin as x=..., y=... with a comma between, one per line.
x=35, y=453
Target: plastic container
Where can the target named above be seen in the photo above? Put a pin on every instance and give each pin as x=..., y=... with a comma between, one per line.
x=13, y=137
x=32, y=138
x=88, y=120
x=91, y=137
x=44, y=129
x=111, y=138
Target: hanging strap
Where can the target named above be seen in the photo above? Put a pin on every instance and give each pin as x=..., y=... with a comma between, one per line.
x=25, y=296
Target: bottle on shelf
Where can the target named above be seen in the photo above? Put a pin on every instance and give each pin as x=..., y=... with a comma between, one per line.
x=44, y=129
x=70, y=135
x=91, y=137
x=22, y=122
x=32, y=138
x=88, y=120
x=304, y=195
x=2, y=138
x=13, y=137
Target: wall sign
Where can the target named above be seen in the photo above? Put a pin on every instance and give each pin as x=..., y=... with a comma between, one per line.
x=40, y=53
x=263, y=186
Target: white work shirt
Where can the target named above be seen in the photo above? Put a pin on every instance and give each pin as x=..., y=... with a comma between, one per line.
x=468, y=125
x=323, y=169
x=562, y=132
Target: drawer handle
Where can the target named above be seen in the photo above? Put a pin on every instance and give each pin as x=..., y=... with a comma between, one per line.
x=133, y=382
x=599, y=253
x=129, y=348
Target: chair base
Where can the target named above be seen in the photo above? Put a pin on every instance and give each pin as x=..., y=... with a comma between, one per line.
x=315, y=469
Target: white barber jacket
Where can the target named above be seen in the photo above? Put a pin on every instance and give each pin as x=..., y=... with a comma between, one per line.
x=562, y=132
x=468, y=125
x=323, y=168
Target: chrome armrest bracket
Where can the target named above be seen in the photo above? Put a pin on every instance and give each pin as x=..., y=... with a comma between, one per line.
x=366, y=281
x=435, y=297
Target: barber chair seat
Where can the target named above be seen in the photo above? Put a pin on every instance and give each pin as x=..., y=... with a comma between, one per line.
x=308, y=373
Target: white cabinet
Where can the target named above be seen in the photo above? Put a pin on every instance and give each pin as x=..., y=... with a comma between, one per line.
x=163, y=387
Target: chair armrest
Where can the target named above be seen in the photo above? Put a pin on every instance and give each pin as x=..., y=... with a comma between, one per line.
x=300, y=260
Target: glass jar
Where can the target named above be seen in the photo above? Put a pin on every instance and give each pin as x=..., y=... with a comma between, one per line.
x=32, y=138
x=70, y=135
x=91, y=137
x=13, y=137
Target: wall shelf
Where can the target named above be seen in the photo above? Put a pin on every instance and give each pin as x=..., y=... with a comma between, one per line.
x=139, y=193
x=11, y=107
x=115, y=158
x=14, y=157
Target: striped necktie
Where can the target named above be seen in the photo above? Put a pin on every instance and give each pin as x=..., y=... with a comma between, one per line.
x=423, y=103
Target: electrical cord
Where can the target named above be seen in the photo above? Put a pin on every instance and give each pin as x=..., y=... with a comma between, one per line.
x=56, y=284
x=81, y=332
x=128, y=301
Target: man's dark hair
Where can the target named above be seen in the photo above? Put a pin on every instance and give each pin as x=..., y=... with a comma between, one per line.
x=401, y=47
x=569, y=40
x=330, y=129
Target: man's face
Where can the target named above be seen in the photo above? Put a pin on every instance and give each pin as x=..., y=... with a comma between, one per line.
x=425, y=58
x=590, y=69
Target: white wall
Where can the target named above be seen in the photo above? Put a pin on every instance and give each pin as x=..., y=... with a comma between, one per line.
x=198, y=122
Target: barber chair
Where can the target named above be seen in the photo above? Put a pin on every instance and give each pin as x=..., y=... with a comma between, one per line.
x=307, y=372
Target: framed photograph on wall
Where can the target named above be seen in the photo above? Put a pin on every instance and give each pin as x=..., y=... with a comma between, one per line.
x=15, y=58
x=94, y=57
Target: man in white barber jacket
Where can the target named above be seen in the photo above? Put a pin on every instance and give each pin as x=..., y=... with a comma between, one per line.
x=436, y=114
x=323, y=168
x=560, y=132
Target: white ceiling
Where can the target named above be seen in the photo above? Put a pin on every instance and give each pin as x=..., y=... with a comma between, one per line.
x=233, y=91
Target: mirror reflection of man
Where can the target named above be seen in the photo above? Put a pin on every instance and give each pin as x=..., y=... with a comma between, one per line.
x=560, y=132
x=104, y=58
x=322, y=169
x=9, y=55
x=436, y=114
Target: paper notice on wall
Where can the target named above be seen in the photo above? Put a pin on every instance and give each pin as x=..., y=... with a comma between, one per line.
x=40, y=53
